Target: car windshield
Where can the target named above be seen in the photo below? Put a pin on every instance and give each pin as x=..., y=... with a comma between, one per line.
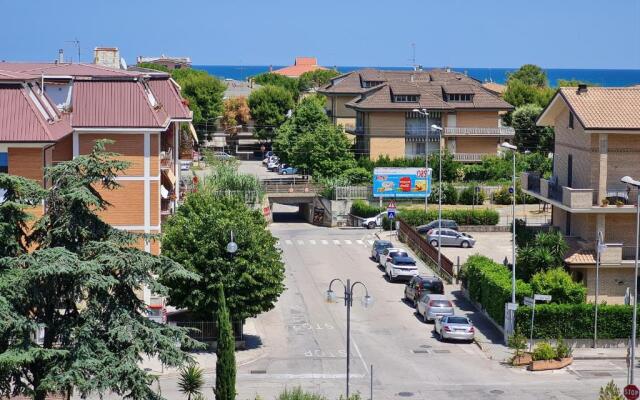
x=404, y=262
x=398, y=254
x=433, y=285
x=383, y=245
x=440, y=303
x=458, y=320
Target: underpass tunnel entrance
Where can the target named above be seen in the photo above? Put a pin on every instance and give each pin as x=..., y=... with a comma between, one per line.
x=289, y=212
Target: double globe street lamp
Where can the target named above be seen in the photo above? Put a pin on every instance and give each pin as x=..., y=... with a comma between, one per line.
x=366, y=301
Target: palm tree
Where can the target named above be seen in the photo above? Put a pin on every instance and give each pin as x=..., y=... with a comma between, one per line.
x=191, y=381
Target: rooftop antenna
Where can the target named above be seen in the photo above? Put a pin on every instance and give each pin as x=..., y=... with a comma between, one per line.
x=76, y=42
x=413, y=57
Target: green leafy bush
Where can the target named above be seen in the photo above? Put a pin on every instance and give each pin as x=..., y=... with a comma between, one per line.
x=489, y=284
x=470, y=195
x=610, y=392
x=562, y=349
x=361, y=208
x=357, y=176
x=299, y=394
x=502, y=196
x=575, y=321
x=544, y=351
x=449, y=193
x=558, y=283
x=479, y=216
x=545, y=252
x=518, y=343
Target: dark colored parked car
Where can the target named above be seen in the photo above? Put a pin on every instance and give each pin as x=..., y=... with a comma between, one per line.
x=378, y=247
x=422, y=284
x=446, y=223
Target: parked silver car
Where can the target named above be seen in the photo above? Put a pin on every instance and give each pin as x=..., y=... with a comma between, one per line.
x=450, y=237
x=454, y=327
x=432, y=306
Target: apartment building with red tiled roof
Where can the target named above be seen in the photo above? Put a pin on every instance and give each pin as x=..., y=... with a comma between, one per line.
x=300, y=66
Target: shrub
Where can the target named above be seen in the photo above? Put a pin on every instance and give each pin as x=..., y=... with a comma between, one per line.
x=517, y=342
x=546, y=251
x=502, y=196
x=558, y=283
x=480, y=216
x=361, y=208
x=357, y=176
x=470, y=195
x=562, y=349
x=524, y=235
x=610, y=392
x=449, y=193
x=299, y=394
x=575, y=321
x=489, y=284
x=544, y=351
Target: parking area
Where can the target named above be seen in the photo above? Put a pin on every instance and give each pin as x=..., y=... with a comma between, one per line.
x=256, y=168
x=495, y=245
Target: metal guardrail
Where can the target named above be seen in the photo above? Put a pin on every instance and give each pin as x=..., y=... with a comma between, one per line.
x=352, y=192
x=420, y=244
x=497, y=131
x=469, y=157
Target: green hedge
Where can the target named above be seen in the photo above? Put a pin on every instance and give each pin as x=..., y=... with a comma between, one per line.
x=489, y=284
x=362, y=209
x=575, y=321
x=479, y=216
x=469, y=195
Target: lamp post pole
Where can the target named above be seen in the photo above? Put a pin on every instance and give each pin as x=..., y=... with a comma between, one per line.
x=439, y=129
x=630, y=181
x=425, y=113
x=595, y=318
x=509, y=146
x=348, y=302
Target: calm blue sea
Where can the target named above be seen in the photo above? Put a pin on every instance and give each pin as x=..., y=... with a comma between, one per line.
x=602, y=77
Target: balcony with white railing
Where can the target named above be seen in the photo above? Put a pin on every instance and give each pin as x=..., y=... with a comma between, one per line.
x=497, y=131
x=470, y=157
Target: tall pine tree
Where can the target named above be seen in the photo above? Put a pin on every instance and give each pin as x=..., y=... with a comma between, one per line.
x=76, y=292
x=225, y=352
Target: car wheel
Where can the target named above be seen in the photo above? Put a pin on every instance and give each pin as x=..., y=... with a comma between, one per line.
x=464, y=244
x=284, y=172
x=434, y=243
x=371, y=225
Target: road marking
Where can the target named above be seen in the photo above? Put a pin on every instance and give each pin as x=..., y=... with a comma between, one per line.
x=364, y=364
x=336, y=242
x=359, y=241
x=325, y=242
x=347, y=241
x=370, y=241
x=300, y=242
x=300, y=376
x=289, y=242
x=312, y=242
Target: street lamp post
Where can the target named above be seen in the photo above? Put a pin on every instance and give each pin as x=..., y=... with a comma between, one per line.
x=426, y=150
x=509, y=146
x=439, y=129
x=632, y=182
x=232, y=246
x=348, y=302
x=600, y=247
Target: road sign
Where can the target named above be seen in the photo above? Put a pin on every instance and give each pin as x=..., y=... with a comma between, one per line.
x=512, y=306
x=392, y=204
x=391, y=213
x=542, y=297
x=528, y=301
x=511, y=190
x=631, y=392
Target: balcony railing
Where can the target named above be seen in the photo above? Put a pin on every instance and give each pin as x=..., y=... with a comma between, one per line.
x=166, y=159
x=469, y=157
x=497, y=131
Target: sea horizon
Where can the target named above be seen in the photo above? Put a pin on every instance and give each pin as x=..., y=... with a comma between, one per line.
x=611, y=77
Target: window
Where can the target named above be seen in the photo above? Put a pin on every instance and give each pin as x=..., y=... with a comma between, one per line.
x=4, y=162
x=460, y=97
x=368, y=84
x=405, y=98
x=570, y=120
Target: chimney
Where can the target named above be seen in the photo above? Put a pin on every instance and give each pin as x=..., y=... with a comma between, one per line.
x=582, y=88
x=107, y=57
x=412, y=77
x=60, y=56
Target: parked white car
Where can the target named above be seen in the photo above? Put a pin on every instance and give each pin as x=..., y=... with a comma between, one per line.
x=373, y=222
x=432, y=306
x=388, y=254
x=454, y=327
x=401, y=267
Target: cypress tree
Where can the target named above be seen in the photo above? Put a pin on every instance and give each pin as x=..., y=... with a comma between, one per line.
x=225, y=351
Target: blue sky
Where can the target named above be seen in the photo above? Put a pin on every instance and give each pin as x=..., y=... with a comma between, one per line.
x=457, y=33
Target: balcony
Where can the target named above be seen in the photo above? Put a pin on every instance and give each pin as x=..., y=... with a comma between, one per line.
x=166, y=159
x=578, y=200
x=497, y=131
x=469, y=157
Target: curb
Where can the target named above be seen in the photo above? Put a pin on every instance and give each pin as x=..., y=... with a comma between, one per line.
x=591, y=358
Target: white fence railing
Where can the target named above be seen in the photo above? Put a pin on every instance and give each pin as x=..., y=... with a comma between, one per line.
x=469, y=157
x=352, y=192
x=497, y=131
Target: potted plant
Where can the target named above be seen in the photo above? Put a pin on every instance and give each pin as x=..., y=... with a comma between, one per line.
x=619, y=203
x=605, y=202
x=546, y=357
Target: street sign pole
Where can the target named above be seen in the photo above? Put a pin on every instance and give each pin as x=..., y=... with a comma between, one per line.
x=533, y=316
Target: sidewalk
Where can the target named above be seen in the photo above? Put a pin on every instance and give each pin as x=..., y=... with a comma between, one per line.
x=207, y=360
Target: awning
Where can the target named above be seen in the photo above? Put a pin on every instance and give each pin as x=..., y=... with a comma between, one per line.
x=193, y=132
x=167, y=173
x=164, y=192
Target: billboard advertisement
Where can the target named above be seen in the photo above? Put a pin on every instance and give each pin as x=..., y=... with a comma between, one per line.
x=401, y=182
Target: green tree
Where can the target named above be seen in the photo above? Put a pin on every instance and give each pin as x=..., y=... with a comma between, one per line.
x=315, y=79
x=17, y=195
x=449, y=166
x=203, y=92
x=285, y=82
x=529, y=74
x=191, y=381
x=197, y=237
x=529, y=136
x=78, y=287
x=308, y=115
x=558, y=283
x=157, y=67
x=324, y=152
x=610, y=392
x=519, y=93
x=546, y=252
x=357, y=176
x=225, y=352
x=269, y=106
x=573, y=83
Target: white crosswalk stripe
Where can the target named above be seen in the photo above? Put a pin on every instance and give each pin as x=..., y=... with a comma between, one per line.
x=347, y=241
x=336, y=242
x=312, y=241
x=289, y=242
x=300, y=242
x=325, y=242
x=359, y=242
x=370, y=241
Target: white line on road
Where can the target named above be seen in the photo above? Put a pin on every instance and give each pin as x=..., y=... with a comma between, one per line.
x=370, y=241
x=312, y=242
x=325, y=242
x=289, y=242
x=300, y=242
x=359, y=241
x=300, y=376
x=336, y=242
x=364, y=364
x=347, y=241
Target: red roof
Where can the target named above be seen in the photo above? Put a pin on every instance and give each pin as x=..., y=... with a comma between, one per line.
x=302, y=65
x=35, y=70
x=22, y=121
x=169, y=96
x=13, y=76
x=118, y=104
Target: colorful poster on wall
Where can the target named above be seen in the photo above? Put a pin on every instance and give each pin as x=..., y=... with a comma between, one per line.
x=401, y=182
